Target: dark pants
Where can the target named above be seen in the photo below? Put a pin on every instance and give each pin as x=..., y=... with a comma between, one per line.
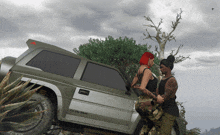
x=162, y=127
x=166, y=124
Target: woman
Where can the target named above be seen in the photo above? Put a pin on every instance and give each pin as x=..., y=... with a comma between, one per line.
x=148, y=87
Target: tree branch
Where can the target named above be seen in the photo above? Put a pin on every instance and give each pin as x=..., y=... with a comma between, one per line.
x=176, y=51
x=165, y=37
x=174, y=25
x=179, y=58
x=172, y=52
x=161, y=21
x=157, y=37
x=157, y=50
x=149, y=36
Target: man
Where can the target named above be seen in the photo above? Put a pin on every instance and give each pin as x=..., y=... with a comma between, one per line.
x=167, y=89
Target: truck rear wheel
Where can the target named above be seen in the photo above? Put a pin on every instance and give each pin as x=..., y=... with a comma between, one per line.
x=43, y=123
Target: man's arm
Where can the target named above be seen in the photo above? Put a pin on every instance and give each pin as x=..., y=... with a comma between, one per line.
x=157, y=91
x=171, y=87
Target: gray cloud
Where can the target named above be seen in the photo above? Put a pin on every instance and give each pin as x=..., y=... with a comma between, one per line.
x=203, y=41
x=7, y=26
x=209, y=60
x=86, y=23
x=212, y=16
x=135, y=8
x=196, y=115
x=202, y=64
x=8, y=29
x=86, y=18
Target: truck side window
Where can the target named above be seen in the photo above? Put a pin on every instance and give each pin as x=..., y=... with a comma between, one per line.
x=55, y=63
x=101, y=75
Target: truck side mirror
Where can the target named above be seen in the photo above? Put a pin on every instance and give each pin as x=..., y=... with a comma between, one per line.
x=128, y=87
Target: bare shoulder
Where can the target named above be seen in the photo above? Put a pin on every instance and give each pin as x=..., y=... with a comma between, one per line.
x=172, y=81
x=141, y=69
x=147, y=72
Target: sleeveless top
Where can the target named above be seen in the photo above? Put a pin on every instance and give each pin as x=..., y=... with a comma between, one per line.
x=151, y=85
x=170, y=105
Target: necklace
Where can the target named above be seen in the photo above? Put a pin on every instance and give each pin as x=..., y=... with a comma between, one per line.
x=166, y=77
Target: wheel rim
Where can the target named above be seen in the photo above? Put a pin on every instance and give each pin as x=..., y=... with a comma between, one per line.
x=32, y=123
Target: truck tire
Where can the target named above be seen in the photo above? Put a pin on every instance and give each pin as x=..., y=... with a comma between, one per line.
x=42, y=124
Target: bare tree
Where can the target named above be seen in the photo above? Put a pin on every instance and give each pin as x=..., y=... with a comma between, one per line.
x=161, y=38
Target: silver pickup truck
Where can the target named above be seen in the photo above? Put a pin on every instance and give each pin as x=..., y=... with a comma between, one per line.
x=77, y=90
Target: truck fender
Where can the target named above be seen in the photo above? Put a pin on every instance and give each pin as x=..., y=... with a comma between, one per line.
x=51, y=86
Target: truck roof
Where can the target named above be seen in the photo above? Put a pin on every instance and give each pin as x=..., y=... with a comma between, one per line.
x=37, y=44
x=34, y=44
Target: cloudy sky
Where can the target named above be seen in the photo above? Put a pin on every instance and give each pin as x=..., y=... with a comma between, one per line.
x=70, y=23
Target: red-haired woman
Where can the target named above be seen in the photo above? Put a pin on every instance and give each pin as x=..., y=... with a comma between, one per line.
x=148, y=89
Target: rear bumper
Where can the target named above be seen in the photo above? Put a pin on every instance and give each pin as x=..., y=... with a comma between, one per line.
x=6, y=64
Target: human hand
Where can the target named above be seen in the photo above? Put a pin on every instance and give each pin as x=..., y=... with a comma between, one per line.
x=136, y=86
x=144, y=104
x=160, y=99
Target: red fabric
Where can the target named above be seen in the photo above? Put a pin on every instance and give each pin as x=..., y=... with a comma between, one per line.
x=145, y=58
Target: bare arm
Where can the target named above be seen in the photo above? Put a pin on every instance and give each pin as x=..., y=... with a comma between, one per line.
x=157, y=91
x=170, y=89
x=134, y=81
x=146, y=77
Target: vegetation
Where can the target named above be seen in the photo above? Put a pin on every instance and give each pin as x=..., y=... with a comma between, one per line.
x=116, y=52
x=16, y=109
x=194, y=131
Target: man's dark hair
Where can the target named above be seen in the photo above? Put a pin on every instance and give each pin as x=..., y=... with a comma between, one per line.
x=168, y=62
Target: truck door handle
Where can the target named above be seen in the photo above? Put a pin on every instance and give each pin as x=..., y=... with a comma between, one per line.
x=84, y=92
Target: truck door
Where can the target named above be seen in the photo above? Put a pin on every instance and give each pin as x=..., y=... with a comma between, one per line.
x=101, y=100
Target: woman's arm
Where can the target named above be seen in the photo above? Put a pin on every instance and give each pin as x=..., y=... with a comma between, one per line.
x=146, y=91
x=134, y=81
x=146, y=77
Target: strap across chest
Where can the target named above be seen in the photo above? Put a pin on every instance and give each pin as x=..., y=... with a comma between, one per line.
x=140, y=75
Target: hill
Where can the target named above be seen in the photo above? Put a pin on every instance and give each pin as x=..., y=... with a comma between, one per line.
x=213, y=131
